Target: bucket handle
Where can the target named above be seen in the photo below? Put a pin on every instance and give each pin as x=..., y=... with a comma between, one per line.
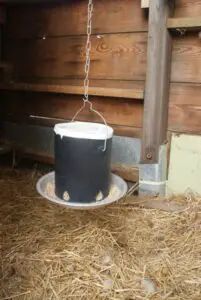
x=96, y=112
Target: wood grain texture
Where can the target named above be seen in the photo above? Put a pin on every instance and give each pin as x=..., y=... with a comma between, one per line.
x=185, y=108
x=70, y=18
x=113, y=56
x=117, y=59
x=157, y=81
x=187, y=8
x=186, y=59
x=123, y=84
x=19, y=106
x=76, y=90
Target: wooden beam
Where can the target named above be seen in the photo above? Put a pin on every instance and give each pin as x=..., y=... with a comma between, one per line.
x=62, y=57
x=76, y=90
x=157, y=80
x=145, y=3
x=193, y=23
x=49, y=108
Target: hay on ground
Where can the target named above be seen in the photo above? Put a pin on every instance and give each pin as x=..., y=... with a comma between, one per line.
x=119, y=252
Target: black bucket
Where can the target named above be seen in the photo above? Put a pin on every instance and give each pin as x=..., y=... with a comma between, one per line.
x=82, y=162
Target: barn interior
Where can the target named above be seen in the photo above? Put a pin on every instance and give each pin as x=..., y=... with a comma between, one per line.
x=145, y=79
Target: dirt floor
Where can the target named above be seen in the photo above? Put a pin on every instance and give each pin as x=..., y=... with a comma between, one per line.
x=120, y=252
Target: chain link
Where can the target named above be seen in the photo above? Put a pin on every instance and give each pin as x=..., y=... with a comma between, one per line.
x=88, y=51
x=86, y=70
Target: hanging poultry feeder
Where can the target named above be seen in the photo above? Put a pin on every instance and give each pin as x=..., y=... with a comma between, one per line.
x=82, y=177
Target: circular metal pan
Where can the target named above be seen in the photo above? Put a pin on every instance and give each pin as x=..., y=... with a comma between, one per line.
x=45, y=187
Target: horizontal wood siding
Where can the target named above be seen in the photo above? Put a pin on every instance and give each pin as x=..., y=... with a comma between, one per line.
x=185, y=100
x=186, y=59
x=70, y=18
x=187, y=8
x=185, y=108
x=113, y=56
x=52, y=50
x=117, y=112
x=45, y=44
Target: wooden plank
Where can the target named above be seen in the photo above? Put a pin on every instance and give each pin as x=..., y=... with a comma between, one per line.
x=19, y=106
x=157, y=81
x=122, y=84
x=185, y=93
x=187, y=8
x=186, y=62
x=69, y=18
x=116, y=57
x=126, y=131
x=113, y=56
x=184, y=23
x=76, y=90
x=120, y=130
x=185, y=108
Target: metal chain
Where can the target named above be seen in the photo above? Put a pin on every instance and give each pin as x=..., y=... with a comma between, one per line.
x=87, y=69
x=88, y=51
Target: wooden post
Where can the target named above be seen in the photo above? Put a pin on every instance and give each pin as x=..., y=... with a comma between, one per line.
x=157, y=80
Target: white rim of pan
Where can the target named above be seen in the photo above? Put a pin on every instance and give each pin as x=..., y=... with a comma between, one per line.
x=114, y=197
x=84, y=130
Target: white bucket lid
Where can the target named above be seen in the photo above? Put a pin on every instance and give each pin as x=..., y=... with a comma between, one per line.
x=84, y=130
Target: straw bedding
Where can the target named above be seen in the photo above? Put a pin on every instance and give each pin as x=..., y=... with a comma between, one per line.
x=119, y=252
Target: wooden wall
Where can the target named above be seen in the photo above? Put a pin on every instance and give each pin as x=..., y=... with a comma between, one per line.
x=45, y=43
x=185, y=99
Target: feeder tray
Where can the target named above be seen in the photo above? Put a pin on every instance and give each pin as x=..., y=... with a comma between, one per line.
x=46, y=186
